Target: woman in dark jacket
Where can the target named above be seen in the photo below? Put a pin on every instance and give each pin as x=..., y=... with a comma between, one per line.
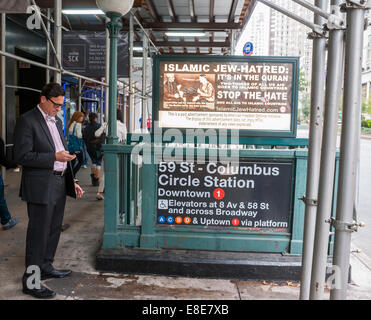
x=5, y=218
x=93, y=146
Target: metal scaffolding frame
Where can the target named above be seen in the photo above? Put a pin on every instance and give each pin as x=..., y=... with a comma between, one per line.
x=320, y=173
x=328, y=156
x=3, y=83
x=58, y=70
x=350, y=144
x=314, y=152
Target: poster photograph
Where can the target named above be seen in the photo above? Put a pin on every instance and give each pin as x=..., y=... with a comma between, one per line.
x=258, y=95
x=84, y=52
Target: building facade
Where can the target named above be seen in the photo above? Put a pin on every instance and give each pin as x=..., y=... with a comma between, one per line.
x=275, y=34
x=366, y=64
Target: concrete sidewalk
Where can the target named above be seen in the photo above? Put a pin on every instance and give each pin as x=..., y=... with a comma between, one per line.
x=80, y=243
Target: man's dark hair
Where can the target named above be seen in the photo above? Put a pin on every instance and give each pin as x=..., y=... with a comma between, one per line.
x=92, y=117
x=52, y=90
x=119, y=115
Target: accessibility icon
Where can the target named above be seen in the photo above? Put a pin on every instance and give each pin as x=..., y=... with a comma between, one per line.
x=163, y=204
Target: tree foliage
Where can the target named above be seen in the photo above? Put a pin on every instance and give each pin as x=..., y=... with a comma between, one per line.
x=304, y=96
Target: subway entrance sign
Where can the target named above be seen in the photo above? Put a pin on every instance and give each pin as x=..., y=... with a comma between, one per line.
x=169, y=212
x=251, y=195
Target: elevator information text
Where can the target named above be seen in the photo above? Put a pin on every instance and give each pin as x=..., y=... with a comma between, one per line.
x=251, y=194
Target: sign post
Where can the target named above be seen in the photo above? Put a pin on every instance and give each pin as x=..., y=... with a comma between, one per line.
x=248, y=49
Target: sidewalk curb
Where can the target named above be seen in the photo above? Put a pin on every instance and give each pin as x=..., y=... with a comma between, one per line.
x=363, y=258
x=246, y=266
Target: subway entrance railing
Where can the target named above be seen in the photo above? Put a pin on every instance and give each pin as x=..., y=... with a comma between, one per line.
x=135, y=192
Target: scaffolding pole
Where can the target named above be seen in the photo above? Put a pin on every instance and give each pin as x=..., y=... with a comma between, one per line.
x=132, y=14
x=144, y=82
x=101, y=101
x=3, y=85
x=22, y=88
x=328, y=158
x=48, y=28
x=41, y=65
x=315, y=27
x=106, y=100
x=57, y=54
x=314, y=153
x=131, y=80
x=233, y=42
x=316, y=9
x=349, y=149
x=58, y=39
x=79, y=95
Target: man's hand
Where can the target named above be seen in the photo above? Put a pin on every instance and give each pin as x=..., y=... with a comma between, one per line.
x=79, y=191
x=64, y=156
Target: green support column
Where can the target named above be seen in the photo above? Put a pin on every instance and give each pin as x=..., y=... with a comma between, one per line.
x=333, y=212
x=112, y=198
x=114, y=27
x=147, y=238
x=111, y=159
x=296, y=246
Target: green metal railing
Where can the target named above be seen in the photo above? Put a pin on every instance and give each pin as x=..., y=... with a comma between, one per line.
x=131, y=205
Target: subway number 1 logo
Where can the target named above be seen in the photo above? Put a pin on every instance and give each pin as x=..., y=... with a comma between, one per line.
x=219, y=194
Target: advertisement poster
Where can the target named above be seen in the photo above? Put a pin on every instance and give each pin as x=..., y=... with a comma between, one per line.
x=85, y=53
x=226, y=95
x=254, y=195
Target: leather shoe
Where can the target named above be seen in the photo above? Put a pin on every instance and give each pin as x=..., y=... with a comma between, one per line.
x=65, y=227
x=42, y=293
x=55, y=274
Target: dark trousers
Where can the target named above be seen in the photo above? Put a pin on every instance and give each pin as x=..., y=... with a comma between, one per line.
x=4, y=212
x=86, y=156
x=77, y=162
x=44, y=227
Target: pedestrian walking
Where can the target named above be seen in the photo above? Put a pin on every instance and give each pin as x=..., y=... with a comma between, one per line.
x=47, y=178
x=93, y=146
x=85, y=151
x=75, y=141
x=121, y=134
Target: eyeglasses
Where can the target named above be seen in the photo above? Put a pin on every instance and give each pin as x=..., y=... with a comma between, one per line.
x=56, y=105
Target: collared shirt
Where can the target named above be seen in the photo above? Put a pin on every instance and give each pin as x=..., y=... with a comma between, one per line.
x=58, y=144
x=121, y=131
